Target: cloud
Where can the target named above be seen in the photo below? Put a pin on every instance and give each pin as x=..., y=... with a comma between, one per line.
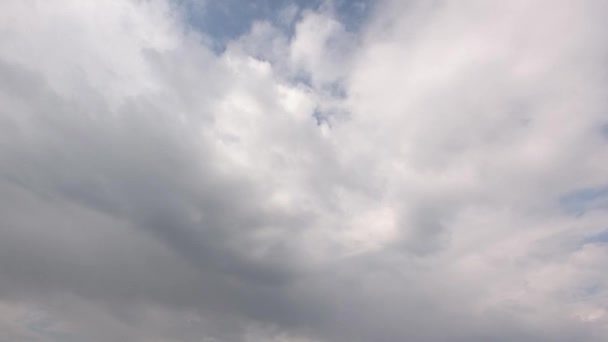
x=413, y=179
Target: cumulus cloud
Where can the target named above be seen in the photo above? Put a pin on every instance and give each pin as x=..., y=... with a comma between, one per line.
x=435, y=173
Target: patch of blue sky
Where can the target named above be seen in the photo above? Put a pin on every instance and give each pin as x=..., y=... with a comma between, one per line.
x=581, y=201
x=604, y=130
x=42, y=325
x=226, y=20
x=592, y=291
x=601, y=237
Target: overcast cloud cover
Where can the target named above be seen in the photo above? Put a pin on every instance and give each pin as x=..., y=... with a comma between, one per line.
x=176, y=170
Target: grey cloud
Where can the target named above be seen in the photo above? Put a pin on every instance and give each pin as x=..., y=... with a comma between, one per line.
x=136, y=175
x=152, y=189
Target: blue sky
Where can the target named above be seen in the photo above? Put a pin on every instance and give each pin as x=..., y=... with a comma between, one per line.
x=227, y=20
x=584, y=200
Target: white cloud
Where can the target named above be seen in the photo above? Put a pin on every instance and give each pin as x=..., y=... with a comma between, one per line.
x=398, y=183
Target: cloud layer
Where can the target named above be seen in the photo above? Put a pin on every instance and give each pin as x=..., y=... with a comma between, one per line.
x=434, y=173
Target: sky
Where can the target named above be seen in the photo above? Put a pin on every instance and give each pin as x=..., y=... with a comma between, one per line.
x=303, y=171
